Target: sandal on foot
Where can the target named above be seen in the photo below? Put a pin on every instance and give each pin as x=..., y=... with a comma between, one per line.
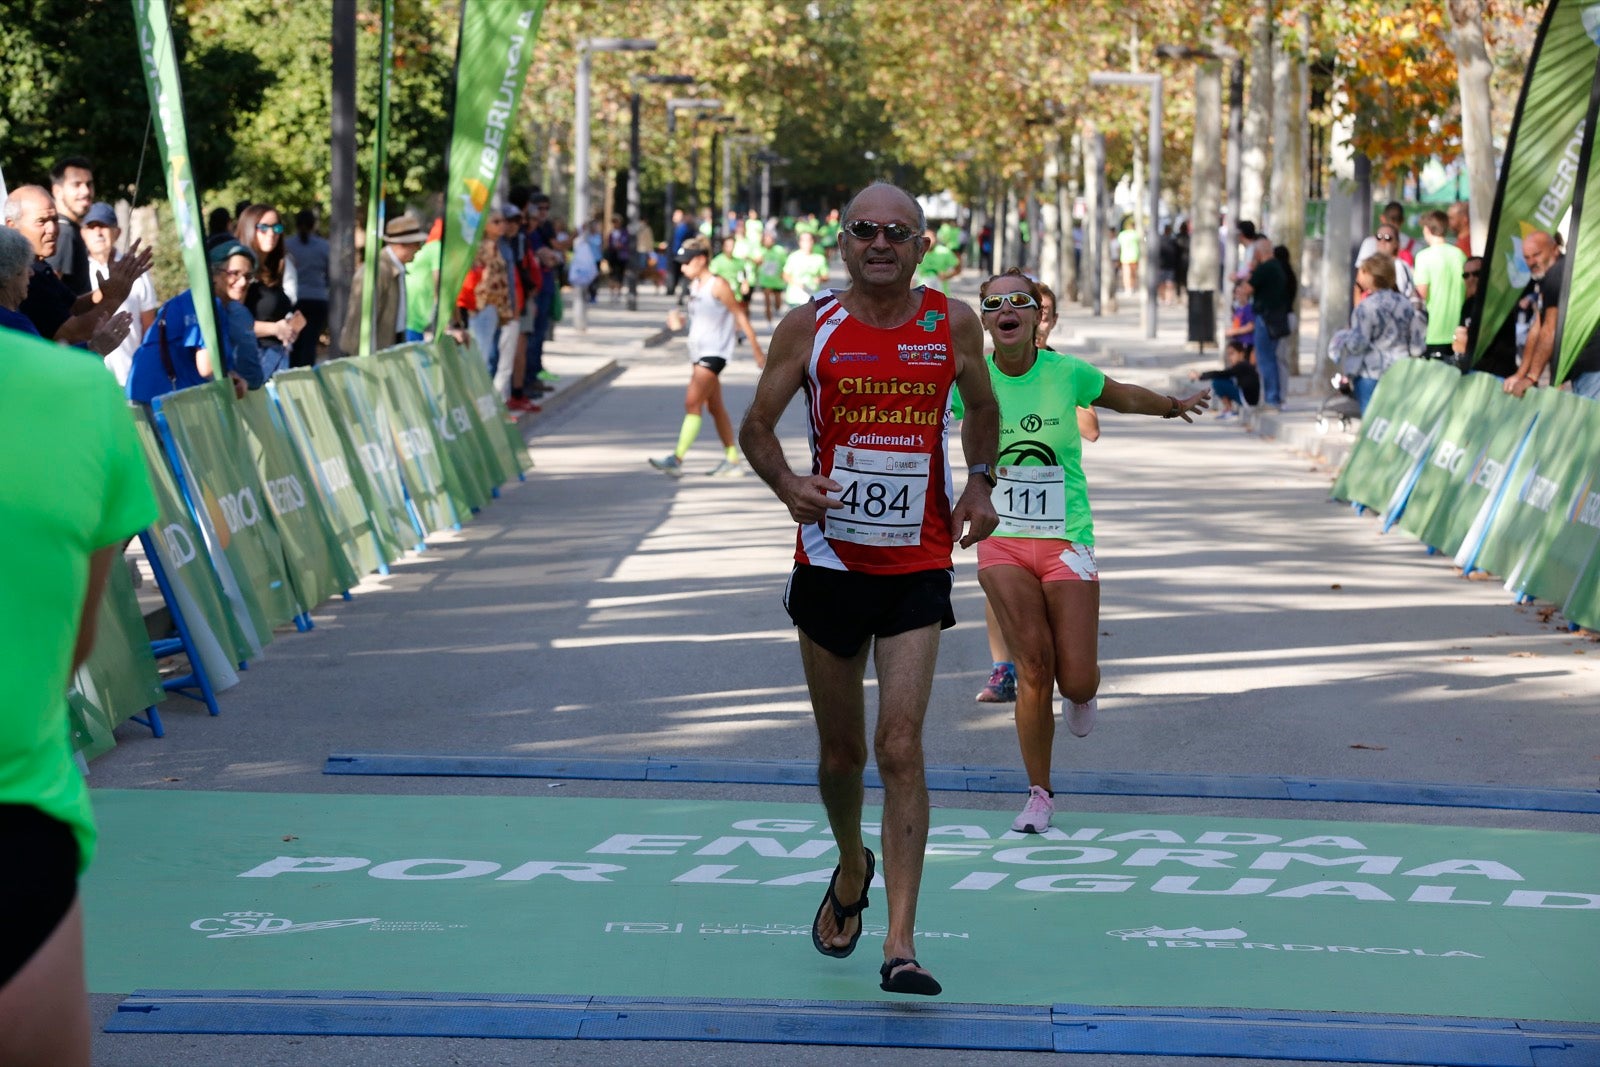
x=842, y=911
x=907, y=981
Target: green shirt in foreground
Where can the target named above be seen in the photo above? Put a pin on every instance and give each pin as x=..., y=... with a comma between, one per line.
x=1039, y=428
x=72, y=480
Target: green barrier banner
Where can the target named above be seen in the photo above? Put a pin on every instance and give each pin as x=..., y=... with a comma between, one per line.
x=1583, y=607
x=1572, y=525
x=317, y=564
x=91, y=736
x=477, y=376
x=354, y=391
x=228, y=500
x=462, y=479
x=1546, y=161
x=1396, y=431
x=492, y=56
x=159, y=62
x=422, y=463
x=180, y=548
x=1469, y=458
x=1513, y=531
x=458, y=423
x=336, y=474
x=119, y=679
x=487, y=410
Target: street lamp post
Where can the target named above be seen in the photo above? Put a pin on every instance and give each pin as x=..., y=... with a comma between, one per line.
x=580, y=152
x=675, y=105
x=1153, y=83
x=633, y=167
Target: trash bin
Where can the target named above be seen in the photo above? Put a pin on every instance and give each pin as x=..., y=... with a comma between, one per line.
x=1202, y=317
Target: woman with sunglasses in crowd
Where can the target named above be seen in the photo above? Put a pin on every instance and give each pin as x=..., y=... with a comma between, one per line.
x=273, y=290
x=1038, y=568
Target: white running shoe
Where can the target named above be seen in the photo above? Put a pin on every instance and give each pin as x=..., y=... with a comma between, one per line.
x=1035, y=818
x=1080, y=717
x=727, y=468
x=671, y=465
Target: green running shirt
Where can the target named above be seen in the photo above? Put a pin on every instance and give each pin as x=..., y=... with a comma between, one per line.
x=1039, y=428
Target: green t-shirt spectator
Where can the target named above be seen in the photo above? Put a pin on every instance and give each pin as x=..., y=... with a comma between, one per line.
x=828, y=233
x=769, y=275
x=72, y=481
x=949, y=235
x=1439, y=269
x=420, y=288
x=730, y=269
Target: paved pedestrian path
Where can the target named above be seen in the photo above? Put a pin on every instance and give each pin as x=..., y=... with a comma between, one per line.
x=600, y=610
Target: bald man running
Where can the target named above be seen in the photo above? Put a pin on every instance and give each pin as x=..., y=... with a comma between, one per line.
x=878, y=518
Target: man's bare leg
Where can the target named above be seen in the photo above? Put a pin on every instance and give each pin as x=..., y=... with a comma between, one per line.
x=839, y=707
x=905, y=665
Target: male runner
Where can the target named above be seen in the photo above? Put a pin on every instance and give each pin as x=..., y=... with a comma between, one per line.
x=876, y=361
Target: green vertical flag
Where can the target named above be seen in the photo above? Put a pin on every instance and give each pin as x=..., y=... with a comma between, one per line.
x=491, y=66
x=1546, y=161
x=160, y=65
x=380, y=152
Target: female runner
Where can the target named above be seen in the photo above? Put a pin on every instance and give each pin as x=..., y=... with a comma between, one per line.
x=1038, y=568
x=714, y=311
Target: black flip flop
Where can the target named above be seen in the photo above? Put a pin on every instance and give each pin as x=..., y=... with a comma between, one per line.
x=907, y=981
x=841, y=912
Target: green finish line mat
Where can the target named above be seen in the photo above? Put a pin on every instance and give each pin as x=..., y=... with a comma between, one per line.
x=661, y=898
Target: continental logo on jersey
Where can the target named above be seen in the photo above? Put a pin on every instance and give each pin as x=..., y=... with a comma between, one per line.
x=886, y=387
x=934, y=352
x=899, y=440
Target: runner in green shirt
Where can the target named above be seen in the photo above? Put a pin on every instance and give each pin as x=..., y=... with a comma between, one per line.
x=803, y=272
x=952, y=236
x=1038, y=568
x=939, y=264
x=769, y=273
x=828, y=234
x=731, y=266
x=73, y=490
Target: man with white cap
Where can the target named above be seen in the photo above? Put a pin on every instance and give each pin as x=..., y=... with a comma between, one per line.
x=100, y=229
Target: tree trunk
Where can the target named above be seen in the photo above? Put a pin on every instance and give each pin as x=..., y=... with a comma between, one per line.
x=1230, y=247
x=1256, y=151
x=1477, y=138
x=1289, y=173
x=1013, y=256
x=1048, y=236
x=1066, y=263
x=1338, y=274
x=1205, y=178
x=1094, y=192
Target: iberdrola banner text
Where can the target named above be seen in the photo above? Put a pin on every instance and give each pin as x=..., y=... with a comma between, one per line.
x=491, y=66
x=160, y=65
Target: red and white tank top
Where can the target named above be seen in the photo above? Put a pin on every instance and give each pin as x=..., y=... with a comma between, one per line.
x=877, y=401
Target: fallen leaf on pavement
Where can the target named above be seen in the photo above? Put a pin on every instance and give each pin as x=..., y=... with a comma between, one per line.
x=1335, y=585
x=1523, y=655
x=1372, y=748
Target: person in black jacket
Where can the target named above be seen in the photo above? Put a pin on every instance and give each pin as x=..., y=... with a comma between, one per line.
x=1237, y=384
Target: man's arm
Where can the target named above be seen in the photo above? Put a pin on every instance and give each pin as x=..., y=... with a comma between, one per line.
x=980, y=427
x=1137, y=400
x=787, y=355
x=1536, y=354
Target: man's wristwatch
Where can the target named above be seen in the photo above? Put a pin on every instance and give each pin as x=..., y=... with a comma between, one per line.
x=984, y=471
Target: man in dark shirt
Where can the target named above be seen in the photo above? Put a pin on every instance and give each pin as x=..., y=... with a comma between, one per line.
x=1268, y=289
x=50, y=305
x=1544, y=263
x=1500, y=358
x=72, y=188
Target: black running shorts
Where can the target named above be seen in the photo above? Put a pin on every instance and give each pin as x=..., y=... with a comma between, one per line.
x=714, y=364
x=42, y=855
x=840, y=610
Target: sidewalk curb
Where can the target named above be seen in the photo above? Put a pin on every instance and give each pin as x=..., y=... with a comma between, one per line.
x=551, y=403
